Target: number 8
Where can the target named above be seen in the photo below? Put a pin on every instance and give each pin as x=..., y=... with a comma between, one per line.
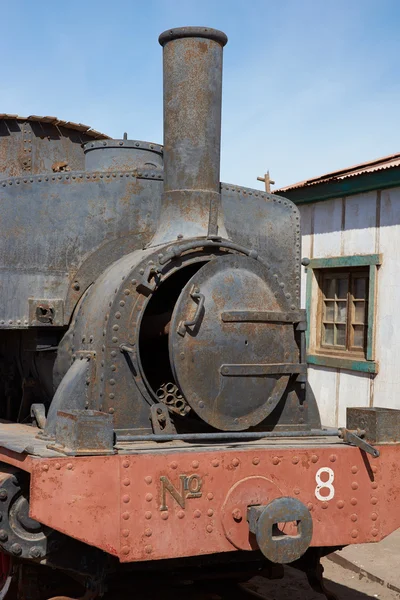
x=324, y=484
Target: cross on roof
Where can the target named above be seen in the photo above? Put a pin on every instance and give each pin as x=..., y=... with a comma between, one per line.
x=268, y=182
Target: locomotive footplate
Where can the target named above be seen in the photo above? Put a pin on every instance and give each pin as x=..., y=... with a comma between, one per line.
x=148, y=503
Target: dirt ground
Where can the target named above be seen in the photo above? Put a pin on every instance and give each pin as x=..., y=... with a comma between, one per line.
x=345, y=584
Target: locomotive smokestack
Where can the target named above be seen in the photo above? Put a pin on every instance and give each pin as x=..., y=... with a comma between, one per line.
x=192, y=133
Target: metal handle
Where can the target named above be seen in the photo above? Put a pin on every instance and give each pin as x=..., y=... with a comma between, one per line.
x=195, y=295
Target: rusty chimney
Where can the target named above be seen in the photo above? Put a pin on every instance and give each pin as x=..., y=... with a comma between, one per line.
x=191, y=200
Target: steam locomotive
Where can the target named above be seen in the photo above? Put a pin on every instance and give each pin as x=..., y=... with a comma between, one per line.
x=154, y=402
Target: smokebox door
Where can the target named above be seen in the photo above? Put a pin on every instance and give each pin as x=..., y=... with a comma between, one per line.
x=230, y=360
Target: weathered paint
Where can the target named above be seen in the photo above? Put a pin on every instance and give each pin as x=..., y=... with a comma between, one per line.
x=359, y=231
x=172, y=503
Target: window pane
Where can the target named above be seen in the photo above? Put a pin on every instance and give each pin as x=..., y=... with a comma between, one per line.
x=329, y=287
x=359, y=312
x=360, y=287
x=329, y=311
x=328, y=334
x=342, y=287
x=341, y=312
x=358, y=336
x=341, y=335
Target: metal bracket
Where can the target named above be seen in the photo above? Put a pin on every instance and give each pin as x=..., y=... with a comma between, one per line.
x=160, y=419
x=354, y=438
x=46, y=312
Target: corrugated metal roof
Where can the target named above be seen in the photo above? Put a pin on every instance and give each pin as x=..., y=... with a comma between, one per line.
x=379, y=164
x=86, y=129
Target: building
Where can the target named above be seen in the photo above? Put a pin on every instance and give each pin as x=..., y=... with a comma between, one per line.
x=351, y=285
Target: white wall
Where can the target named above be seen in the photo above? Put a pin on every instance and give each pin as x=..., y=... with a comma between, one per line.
x=363, y=224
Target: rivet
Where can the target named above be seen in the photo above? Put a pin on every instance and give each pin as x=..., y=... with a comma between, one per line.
x=353, y=501
x=111, y=411
x=126, y=464
x=3, y=535
x=58, y=466
x=354, y=469
x=195, y=464
x=111, y=396
x=197, y=514
x=295, y=460
x=147, y=515
x=296, y=491
x=69, y=466
x=201, y=404
x=374, y=485
x=148, y=532
x=354, y=533
x=215, y=462
x=174, y=465
x=340, y=504
x=148, y=549
x=127, y=292
x=113, y=368
x=125, y=498
x=374, y=532
x=117, y=315
x=235, y=462
x=209, y=528
x=112, y=382
x=149, y=497
x=125, y=533
x=180, y=514
x=374, y=516
x=256, y=460
x=210, y=512
x=354, y=485
x=45, y=467
x=125, y=516
x=148, y=479
x=354, y=517
x=164, y=515
x=314, y=458
x=310, y=506
x=125, y=550
x=374, y=468
x=374, y=500
x=275, y=460
x=122, y=303
x=115, y=327
x=332, y=457
x=126, y=482
x=113, y=353
x=210, y=496
x=324, y=505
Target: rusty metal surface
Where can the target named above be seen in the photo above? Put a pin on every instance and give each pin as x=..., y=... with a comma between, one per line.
x=381, y=425
x=38, y=144
x=192, y=59
x=225, y=284
x=84, y=432
x=171, y=503
x=270, y=524
x=122, y=155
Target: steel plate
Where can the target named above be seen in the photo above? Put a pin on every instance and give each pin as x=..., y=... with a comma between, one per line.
x=202, y=345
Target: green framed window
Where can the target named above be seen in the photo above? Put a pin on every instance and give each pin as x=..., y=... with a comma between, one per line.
x=341, y=294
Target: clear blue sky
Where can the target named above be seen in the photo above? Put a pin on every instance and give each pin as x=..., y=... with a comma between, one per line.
x=309, y=85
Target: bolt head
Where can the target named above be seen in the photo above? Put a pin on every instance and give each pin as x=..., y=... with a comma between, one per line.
x=35, y=552
x=3, y=494
x=3, y=535
x=16, y=549
x=237, y=515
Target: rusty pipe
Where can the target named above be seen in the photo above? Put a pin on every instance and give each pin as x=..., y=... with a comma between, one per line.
x=192, y=62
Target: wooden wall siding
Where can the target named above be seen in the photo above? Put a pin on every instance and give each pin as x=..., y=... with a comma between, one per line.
x=362, y=224
x=386, y=385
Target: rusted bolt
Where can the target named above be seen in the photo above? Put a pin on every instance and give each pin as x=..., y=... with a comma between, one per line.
x=35, y=552
x=237, y=515
x=16, y=549
x=3, y=495
x=3, y=535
